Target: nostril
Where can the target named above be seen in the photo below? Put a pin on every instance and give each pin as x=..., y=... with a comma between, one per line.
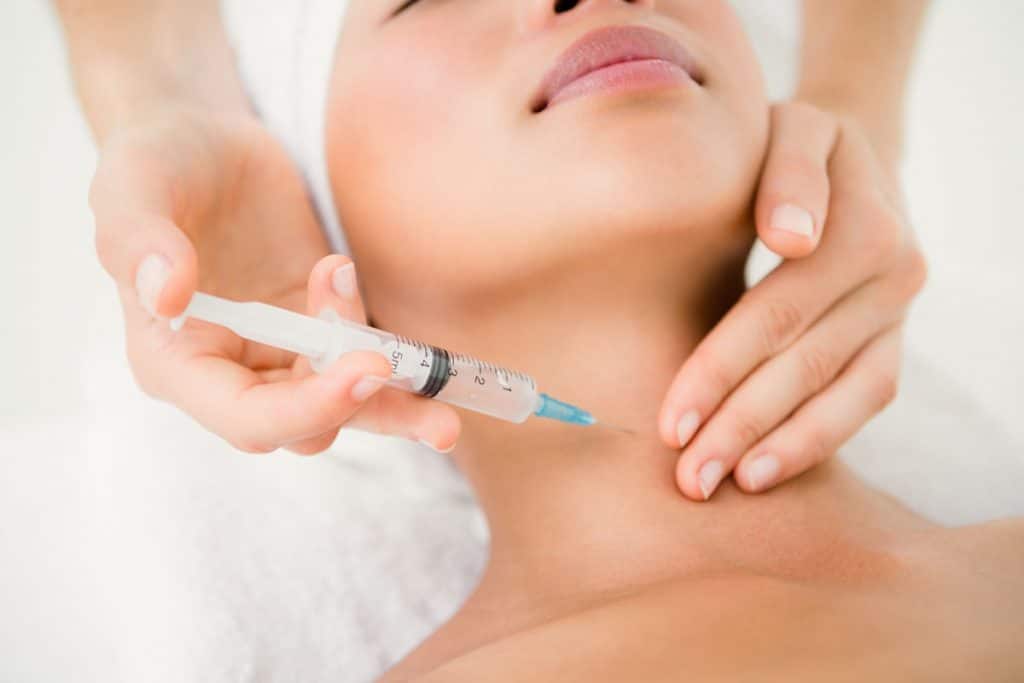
x=562, y=6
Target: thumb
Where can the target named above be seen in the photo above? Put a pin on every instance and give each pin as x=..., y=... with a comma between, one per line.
x=793, y=197
x=138, y=242
x=152, y=261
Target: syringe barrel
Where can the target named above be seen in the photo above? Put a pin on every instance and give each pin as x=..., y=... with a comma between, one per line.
x=434, y=372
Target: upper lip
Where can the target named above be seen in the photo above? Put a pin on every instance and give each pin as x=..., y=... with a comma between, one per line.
x=612, y=45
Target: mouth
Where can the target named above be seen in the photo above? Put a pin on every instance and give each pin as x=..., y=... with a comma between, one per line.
x=617, y=58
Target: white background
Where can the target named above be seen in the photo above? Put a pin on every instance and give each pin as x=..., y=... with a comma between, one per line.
x=60, y=329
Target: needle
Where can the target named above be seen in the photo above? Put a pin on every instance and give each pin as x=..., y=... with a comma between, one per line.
x=614, y=428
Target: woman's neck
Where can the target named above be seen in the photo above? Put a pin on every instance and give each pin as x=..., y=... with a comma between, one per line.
x=586, y=510
x=581, y=514
x=569, y=507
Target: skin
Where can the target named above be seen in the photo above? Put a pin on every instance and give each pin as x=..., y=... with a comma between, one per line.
x=155, y=78
x=556, y=221
x=856, y=59
x=190, y=177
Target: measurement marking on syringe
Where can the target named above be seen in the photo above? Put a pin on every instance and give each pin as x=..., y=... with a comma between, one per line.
x=491, y=367
x=504, y=377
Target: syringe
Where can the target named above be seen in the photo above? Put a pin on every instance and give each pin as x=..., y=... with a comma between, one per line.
x=416, y=367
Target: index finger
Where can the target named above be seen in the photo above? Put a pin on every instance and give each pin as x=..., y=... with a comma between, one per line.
x=761, y=325
x=861, y=240
x=259, y=416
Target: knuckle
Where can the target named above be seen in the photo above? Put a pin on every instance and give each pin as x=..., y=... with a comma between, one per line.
x=715, y=374
x=914, y=272
x=817, y=445
x=798, y=169
x=884, y=390
x=793, y=181
x=310, y=448
x=247, y=444
x=747, y=427
x=817, y=367
x=883, y=234
x=318, y=448
x=100, y=182
x=105, y=244
x=118, y=164
x=778, y=322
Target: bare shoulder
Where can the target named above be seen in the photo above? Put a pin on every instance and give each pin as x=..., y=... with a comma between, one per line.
x=1001, y=534
x=925, y=625
x=992, y=548
x=733, y=628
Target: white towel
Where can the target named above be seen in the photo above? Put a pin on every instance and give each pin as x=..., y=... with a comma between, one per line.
x=285, y=53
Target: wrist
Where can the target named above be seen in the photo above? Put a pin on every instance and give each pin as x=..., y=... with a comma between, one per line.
x=119, y=94
x=881, y=118
x=130, y=61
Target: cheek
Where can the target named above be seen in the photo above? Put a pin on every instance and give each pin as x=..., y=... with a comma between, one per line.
x=401, y=119
x=737, y=84
x=395, y=102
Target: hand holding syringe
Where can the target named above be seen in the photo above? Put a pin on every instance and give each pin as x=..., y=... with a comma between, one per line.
x=415, y=367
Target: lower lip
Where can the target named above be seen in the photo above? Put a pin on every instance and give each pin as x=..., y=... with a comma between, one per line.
x=641, y=74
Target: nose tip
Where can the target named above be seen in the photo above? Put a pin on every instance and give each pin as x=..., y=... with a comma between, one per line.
x=543, y=12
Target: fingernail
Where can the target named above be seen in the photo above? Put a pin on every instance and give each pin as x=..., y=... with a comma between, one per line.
x=687, y=427
x=763, y=472
x=791, y=218
x=367, y=387
x=150, y=279
x=344, y=281
x=710, y=475
x=436, y=449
